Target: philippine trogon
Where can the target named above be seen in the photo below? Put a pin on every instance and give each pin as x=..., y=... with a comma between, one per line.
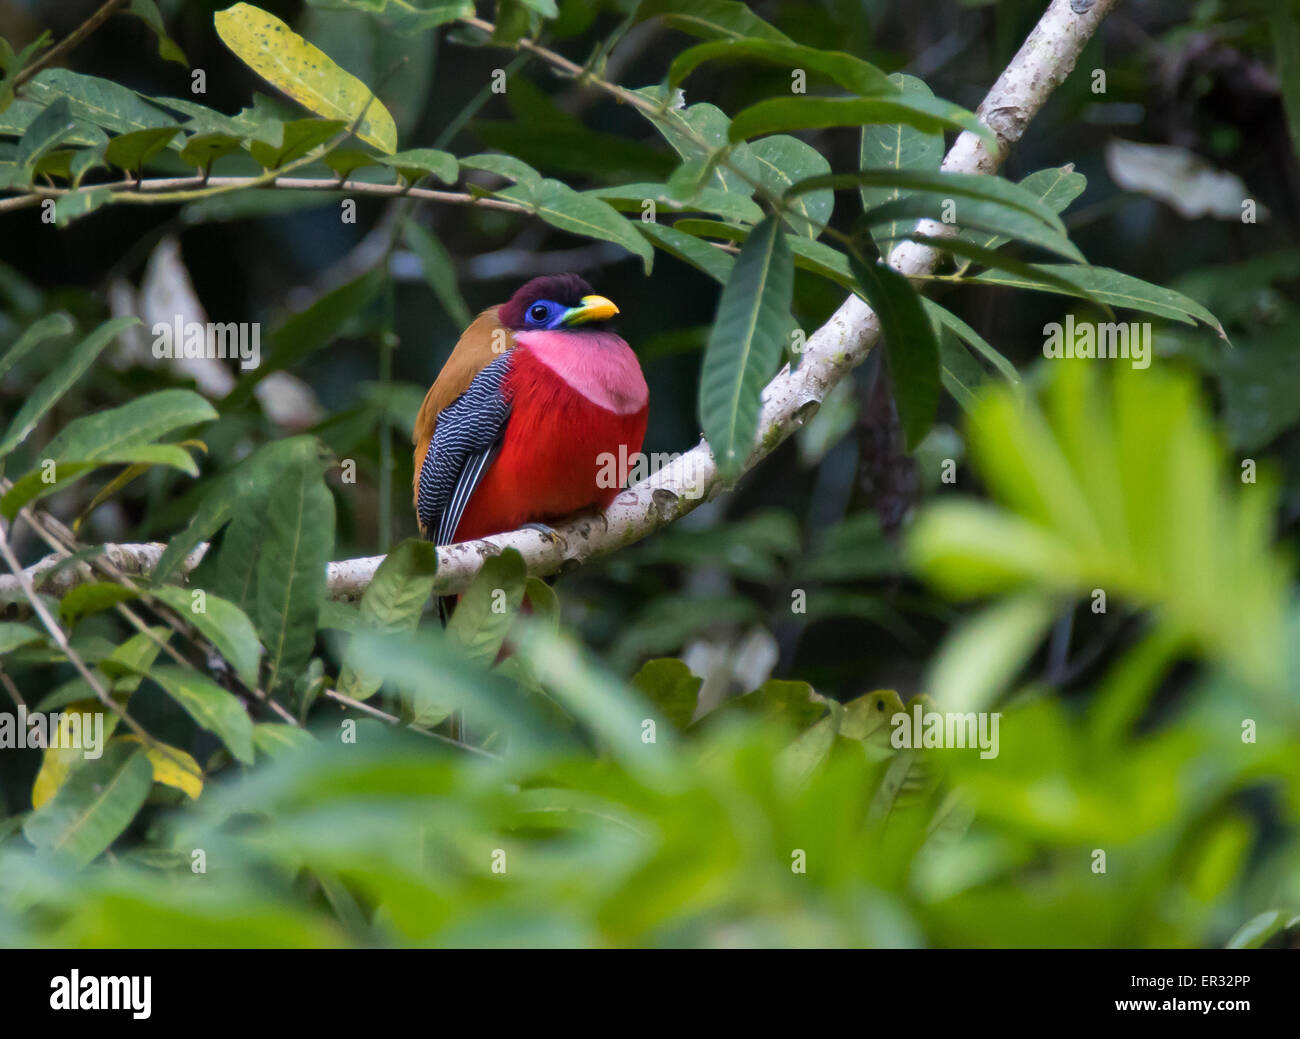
x=536, y=398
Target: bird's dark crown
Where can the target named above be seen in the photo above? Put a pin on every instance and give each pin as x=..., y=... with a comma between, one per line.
x=564, y=289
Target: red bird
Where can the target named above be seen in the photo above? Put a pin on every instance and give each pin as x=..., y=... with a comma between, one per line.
x=513, y=430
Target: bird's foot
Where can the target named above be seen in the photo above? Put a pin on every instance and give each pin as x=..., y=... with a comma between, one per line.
x=550, y=533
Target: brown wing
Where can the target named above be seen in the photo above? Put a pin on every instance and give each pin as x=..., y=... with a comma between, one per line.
x=472, y=354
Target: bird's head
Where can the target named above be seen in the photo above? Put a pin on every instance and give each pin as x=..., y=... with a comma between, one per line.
x=555, y=301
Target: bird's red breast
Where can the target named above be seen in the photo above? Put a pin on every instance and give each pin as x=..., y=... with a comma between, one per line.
x=576, y=398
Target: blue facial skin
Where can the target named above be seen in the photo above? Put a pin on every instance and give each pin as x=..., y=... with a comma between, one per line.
x=552, y=318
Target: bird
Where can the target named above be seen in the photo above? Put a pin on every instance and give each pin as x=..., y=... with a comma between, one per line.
x=519, y=426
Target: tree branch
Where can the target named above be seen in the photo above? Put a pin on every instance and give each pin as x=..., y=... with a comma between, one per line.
x=790, y=399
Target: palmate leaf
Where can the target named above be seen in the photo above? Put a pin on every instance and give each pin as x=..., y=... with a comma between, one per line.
x=305, y=72
x=1116, y=484
x=748, y=337
x=700, y=135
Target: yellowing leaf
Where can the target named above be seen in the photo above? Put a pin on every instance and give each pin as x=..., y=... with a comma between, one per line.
x=304, y=72
x=184, y=774
x=57, y=763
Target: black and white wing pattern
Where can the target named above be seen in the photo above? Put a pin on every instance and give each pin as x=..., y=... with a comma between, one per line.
x=465, y=441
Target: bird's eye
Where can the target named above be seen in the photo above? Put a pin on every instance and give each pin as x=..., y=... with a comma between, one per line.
x=539, y=312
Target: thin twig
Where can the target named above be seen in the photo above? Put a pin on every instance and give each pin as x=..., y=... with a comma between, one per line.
x=70, y=41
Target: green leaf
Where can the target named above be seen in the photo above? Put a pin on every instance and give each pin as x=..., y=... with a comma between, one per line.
x=911, y=347
x=972, y=339
x=1263, y=926
x=130, y=151
x=979, y=214
x=36, y=333
x=408, y=17
x=47, y=131
x=291, y=568
x=980, y=657
x=967, y=250
x=783, y=160
x=1111, y=287
x=846, y=70
x=76, y=204
x=13, y=635
x=943, y=185
x=393, y=601
x=211, y=707
x=37, y=484
x=94, y=597
x=304, y=72
x=712, y=261
x=572, y=211
x=242, y=491
x=897, y=147
x=1285, y=30
x=219, y=621
x=488, y=607
x=669, y=684
x=18, y=117
x=93, y=806
x=779, y=115
x=203, y=149
x=711, y=19
x=747, y=341
x=147, y=11
x=416, y=163
x=709, y=200
x=439, y=272
x=297, y=138
x=700, y=134
x=142, y=421
x=98, y=101
x=48, y=391
x=1055, y=187
x=505, y=166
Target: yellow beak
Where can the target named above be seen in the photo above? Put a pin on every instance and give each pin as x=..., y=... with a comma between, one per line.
x=592, y=308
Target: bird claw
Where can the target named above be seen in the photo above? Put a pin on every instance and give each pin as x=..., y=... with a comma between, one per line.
x=549, y=533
